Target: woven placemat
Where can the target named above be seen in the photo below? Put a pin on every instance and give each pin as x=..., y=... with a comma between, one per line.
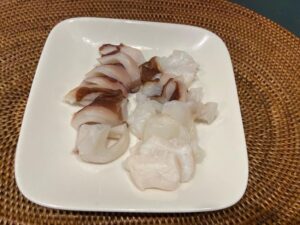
x=266, y=60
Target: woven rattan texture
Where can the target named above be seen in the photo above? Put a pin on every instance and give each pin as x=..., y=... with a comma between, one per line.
x=266, y=60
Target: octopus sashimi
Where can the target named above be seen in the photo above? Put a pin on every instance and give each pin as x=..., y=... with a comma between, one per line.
x=87, y=93
x=111, y=111
x=108, y=49
x=179, y=63
x=116, y=72
x=128, y=63
x=106, y=82
x=135, y=54
x=164, y=88
x=101, y=143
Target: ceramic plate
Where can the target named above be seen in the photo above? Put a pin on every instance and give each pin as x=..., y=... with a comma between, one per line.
x=47, y=172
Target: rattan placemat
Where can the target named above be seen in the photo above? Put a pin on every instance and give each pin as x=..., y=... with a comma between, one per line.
x=266, y=60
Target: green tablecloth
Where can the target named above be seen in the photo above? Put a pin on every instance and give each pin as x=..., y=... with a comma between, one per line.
x=284, y=12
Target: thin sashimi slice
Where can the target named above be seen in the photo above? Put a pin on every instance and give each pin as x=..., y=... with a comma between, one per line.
x=159, y=171
x=141, y=98
x=165, y=127
x=195, y=94
x=93, y=142
x=179, y=111
x=106, y=82
x=116, y=72
x=205, y=112
x=179, y=63
x=199, y=154
x=164, y=88
x=129, y=64
x=168, y=89
x=182, y=92
x=177, y=93
x=95, y=114
x=140, y=116
x=149, y=70
x=183, y=151
x=135, y=54
x=86, y=94
x=108, y=49
x=152, y=88
x=74, y=97
x=102, y=110
x=186, y=158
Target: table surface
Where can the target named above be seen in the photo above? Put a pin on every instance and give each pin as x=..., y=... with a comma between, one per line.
x=265, y=59
x=284, y=12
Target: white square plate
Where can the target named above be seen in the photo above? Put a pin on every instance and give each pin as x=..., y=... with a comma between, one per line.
x=48, y=174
